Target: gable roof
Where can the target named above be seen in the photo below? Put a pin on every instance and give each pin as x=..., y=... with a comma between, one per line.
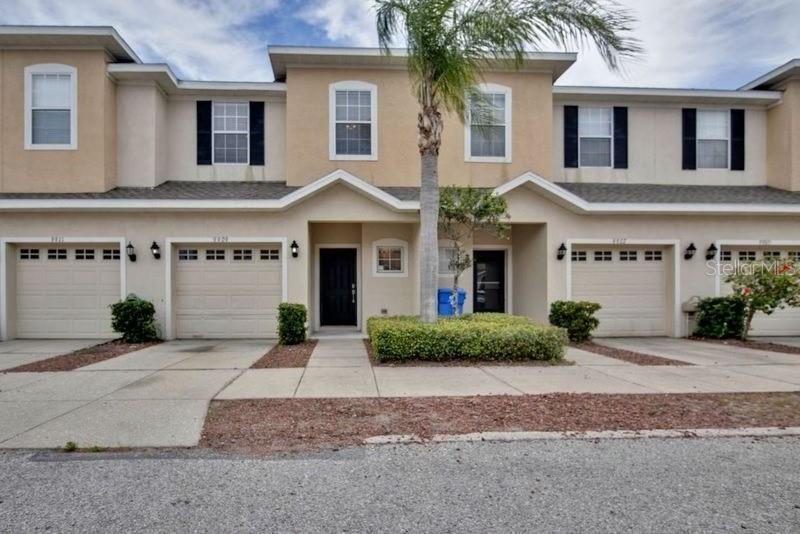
x=775, y=76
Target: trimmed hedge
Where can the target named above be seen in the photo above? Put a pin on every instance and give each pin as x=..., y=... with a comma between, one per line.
x=577, y=317
x=721, y=317
x=481, y=337
x=291, y=323
x=134, y=318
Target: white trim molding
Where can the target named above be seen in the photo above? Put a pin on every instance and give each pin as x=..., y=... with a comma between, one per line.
x=336, y=177
x=577, y=204
x=52, y=240
x=170, y=242
x=491, y=88
x=359, y=281
x=676, y=278
x=353, y=85
x=390, y=243
x=51, y=68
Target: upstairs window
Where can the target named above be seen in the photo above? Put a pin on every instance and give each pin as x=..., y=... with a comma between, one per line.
x=489, y=129
x=595, y=132
x=51, y=107
x=353, y=130
x=713, y=133
x=231, y=132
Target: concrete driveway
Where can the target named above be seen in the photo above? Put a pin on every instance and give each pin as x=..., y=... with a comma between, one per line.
x=156, y=397
x=23, y=351
x=700, y=352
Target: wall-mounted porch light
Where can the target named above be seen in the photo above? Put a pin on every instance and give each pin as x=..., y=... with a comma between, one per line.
x=156, y=250
x=711, y=252
x=690, y=250
x=295, y=248
x=562, y=251
x=131, y=251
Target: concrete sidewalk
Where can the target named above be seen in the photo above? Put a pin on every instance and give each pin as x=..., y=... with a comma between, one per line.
x=340, y=368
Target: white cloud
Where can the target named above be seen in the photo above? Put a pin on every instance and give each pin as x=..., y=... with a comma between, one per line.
x=688, y=43
x=201, y=39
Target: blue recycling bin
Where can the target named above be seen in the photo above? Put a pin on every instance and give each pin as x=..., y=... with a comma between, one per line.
x=445, y=304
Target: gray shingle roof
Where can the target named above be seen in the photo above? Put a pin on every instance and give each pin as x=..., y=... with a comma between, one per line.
x=177, y=191
x=591, y=192
x=678, y=194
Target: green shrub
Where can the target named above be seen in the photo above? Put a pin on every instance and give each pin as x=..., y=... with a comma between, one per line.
x=479, y=337
x=70, y=446
x=134, y=318
x=721, y=317
x=291, y=323
x=576, y=317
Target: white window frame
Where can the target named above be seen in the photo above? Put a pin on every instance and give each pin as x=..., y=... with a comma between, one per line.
x=610, y=139
x=450, y=271
x=215, y=131
x=51, y=68
x=390, y=243
x=352, y=85
x=697, y=139
x=490, y=88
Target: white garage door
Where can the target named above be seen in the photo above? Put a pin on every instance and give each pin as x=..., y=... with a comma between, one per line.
x=629, y=283
x=63, y=291
x=785, y=322
x=227, y=291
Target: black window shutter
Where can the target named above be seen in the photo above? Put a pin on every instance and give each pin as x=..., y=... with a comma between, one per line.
x=204, y=132
x=737, y=139
x=256, y=133
x=570, y=136
x=689, y=139
x=620, y=138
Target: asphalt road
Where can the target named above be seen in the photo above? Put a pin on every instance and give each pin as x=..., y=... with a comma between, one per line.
x=679, y=485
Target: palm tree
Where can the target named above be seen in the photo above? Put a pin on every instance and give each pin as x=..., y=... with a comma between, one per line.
x=450, y=43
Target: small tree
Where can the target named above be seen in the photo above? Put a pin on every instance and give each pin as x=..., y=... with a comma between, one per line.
x=765, y=287
x=462, y=212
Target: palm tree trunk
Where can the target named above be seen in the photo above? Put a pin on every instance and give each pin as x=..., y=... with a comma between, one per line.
x=429, y=242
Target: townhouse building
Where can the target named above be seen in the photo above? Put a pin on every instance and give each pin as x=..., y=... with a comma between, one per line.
x=219, y=200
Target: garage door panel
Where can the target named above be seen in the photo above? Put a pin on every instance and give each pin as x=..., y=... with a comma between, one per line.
x=227, y=298
x=632, y=293
x=66, y=297
x=784, y=322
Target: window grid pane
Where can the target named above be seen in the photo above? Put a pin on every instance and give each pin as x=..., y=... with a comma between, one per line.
x=353, y=116
x=595, y=126
x=712, y=139
x=488, y=126
x=231, y=132
x=187, y=254
x=390, y=259
x=446, y=255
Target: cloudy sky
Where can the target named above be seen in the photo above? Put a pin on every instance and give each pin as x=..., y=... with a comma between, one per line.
x=688, y=43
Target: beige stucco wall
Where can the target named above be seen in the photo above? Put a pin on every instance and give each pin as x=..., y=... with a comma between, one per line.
x=182, y=134
x=398, y=163
x=147, y=276
x=89, y=168
x=655, y=149
x=527, y=207
x=137, y=142
x=783, y=140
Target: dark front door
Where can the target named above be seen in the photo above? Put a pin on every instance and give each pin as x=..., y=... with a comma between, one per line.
x=337, y=287
x=489, y=273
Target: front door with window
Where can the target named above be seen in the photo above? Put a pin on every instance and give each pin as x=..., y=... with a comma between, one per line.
x=489, y=292
x=338, y=293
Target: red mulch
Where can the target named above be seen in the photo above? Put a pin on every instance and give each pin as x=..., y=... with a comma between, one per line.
x=269, y=426
x=82, y=357
x=286, y=356
x=626, y=355
x=458, y=363
x=755, y=345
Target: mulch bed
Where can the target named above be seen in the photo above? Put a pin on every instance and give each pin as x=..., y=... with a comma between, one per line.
x=750, y=344
x=269, y=426
x=82, y=357
x=626, y=355
x=281, y=356
x=458, y=363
